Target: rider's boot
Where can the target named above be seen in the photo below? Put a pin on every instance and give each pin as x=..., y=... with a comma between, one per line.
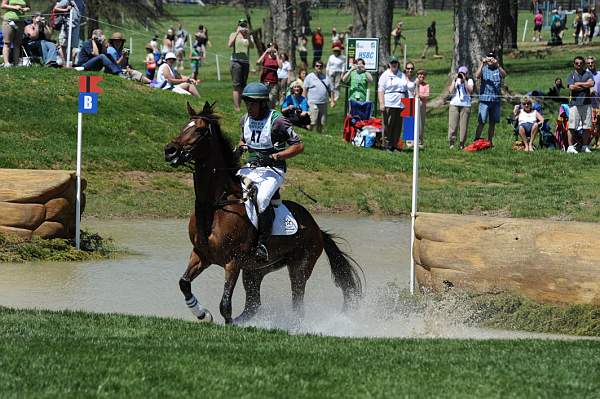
x=265, y=225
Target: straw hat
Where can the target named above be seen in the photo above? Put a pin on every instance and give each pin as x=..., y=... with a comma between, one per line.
x=117, y=36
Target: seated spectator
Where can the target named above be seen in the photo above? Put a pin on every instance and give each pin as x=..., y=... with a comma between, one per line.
x=12, y=29
x=120, y=56
x=295, y=107
x=554, y=91
x=93, y=57
x=150, y=62
x=529, y=122
x=38, y=35
x=168, y=79
x=359, y=80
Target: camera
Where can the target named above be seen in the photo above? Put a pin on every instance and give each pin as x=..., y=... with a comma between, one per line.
x=125, y=51
x=461, y=76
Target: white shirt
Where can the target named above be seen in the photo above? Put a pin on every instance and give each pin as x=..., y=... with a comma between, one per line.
x=527, y=117
x=335, y=64
x=160, y=77
x=461, y=97
x=283, y=72
x=395, y=87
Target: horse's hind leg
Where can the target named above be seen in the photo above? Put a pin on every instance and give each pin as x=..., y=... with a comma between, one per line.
x=252, y=280
x=194, y=268
x=300, y=271
x=232, y=272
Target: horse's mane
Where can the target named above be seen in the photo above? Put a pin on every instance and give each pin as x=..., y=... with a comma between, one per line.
x=231, y=161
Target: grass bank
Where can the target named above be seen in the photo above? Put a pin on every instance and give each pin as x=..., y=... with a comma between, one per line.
x=73, y=354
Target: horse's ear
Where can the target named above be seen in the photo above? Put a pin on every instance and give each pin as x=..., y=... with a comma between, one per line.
x=190, y=110
x=207, y=110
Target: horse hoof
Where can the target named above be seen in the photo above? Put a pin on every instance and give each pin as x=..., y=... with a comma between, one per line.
x=206, y=317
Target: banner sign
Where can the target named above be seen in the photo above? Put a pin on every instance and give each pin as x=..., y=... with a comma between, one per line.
x=365, y=48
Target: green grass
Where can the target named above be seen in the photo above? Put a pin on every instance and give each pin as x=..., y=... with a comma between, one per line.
x=127, y=175
x=72, y=354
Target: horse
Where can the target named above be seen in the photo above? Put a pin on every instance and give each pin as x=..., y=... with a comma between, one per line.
x=222, y=234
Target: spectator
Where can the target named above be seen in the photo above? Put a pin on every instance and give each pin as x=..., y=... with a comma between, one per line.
x=335, y=37
x=591, y=64
x=295, y=107
x=65, y=7
x=491, y=74
x=585, y=23
x=38, y=35
x=342, y=39
x=270, y=64
x=317, y=90
x=422, y=89
x=580, y=83
x=398, y=37
x=578, y=25
x=181, y=37
x=336, y=64
x=529, y=122
x=156, y=50
x=538, y=22
x=555, y=28
x=150, y=62
x=431, y=40
x=168, y=43
x=359, y=80
x=563, y=20
x=283, y=75
x=460, y=89
x=201, y=37
x=392, y=88
x=409, y=71
x=317, y=43
x=199, y=50
x=241, y=42
x=93, y=57
x=592, y=24
x=120, y=56
x=554, y=91
x=301, y=76
x=12, y=29
x=302, y=51
x=167, y=78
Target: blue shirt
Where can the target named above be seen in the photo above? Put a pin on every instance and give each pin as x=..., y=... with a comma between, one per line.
x=490, y=84
x=297, y=103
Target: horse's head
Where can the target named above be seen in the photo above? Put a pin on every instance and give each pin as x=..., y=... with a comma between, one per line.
x=191, y=144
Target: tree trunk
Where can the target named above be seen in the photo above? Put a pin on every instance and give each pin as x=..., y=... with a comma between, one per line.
x=510, y=14
x=359, y=17
x=415, y=7
x=379, y=24
x=283, y=22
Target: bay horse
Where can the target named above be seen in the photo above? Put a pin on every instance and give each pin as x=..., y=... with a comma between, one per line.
x=222, y=234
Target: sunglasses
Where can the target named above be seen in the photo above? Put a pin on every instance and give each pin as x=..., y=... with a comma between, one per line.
x=578, y=63
x=409, y=69
x=318, y=66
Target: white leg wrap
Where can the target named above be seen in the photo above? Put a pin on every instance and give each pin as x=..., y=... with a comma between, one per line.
x=200, y=312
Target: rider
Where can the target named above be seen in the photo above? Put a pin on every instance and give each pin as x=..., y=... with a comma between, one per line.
x=265, y=133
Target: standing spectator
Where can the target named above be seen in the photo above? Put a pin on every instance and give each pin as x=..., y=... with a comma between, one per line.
x=295, y=107
x=580, y=83
x=270, y=63
x=303, y=51
x=38, y=35
x=398, y=37
x=168, y=43
x=181, y=37
x=563, y=21
x=336, y=65
x=167, y=78
x=592, y=23
x=585, y=22
x=359, y=80
x=283, y=75
x=491, y=74
x=93, y=57
x=318, y=90
x=578, y=25
x=120, y=56
x=591, y=65
x=241, y=42
x=409, y=71
x=529, y=122
x=460, y=89
x=422, y=89
x=335, y=37
x=555, y=28
x=150, y=62
x=431, y=40
x=64, y=7
x=12, y=29
x=317, y=43
x=538, y=22
x=392, y=88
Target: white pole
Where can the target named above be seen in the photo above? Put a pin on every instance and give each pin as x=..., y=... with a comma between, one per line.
x=78, y=174
x=368, y=92
x=525, y=30
x=404, y=56
x=191, y=46
x=218, y=67
x=130, y=44
x=69, y=40
x=415, y=189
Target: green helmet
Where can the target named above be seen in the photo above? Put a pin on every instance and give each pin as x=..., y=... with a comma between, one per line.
x=255, y=91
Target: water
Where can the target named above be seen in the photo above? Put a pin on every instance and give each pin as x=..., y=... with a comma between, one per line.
x=147, y=283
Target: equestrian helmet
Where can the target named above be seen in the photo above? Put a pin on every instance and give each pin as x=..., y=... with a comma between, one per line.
x=255, y=91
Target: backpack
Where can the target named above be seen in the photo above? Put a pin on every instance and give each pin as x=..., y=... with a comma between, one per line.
x=56, y=19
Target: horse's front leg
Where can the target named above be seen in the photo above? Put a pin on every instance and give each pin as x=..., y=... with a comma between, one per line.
x=194, y=268
x=232, y=272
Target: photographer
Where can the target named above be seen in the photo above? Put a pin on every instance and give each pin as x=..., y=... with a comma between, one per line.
x=64, y=7
x=295, y=107
x=241, y=42
x=93, y=57
x=12, y=29
x=270, y=63
x=359, y=80
x=460, y=90
x=120, y=56
x=491, y=74
x=37, y=35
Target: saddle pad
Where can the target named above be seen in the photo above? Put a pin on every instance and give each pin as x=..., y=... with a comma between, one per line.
x=284, y=223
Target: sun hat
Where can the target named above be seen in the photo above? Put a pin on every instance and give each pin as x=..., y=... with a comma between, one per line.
x=297, y=83
x=392, y=58
x=463, y=69
x=337, y=47
x=170, y=56
x=117, y=36
x=148, y=47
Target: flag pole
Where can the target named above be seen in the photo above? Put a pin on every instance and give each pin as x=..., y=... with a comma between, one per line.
x=415, y=190
x=78, y=188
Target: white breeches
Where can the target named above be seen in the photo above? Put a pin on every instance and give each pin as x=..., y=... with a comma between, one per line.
x=266, y=180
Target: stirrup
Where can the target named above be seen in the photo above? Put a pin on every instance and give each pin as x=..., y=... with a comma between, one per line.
x=261, y=252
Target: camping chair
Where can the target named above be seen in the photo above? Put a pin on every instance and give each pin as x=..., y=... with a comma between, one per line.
x=545, y=136
x=359, y=111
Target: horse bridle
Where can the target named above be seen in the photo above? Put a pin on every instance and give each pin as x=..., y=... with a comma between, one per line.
x=187, y=157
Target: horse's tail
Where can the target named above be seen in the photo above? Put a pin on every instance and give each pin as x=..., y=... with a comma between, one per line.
x=344, y=270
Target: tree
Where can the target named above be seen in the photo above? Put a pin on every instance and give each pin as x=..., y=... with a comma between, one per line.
x=415, y=7
x=510, y=14
x=379, y=24
x=283, y=23
x=359, y=17
x=118, y=11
